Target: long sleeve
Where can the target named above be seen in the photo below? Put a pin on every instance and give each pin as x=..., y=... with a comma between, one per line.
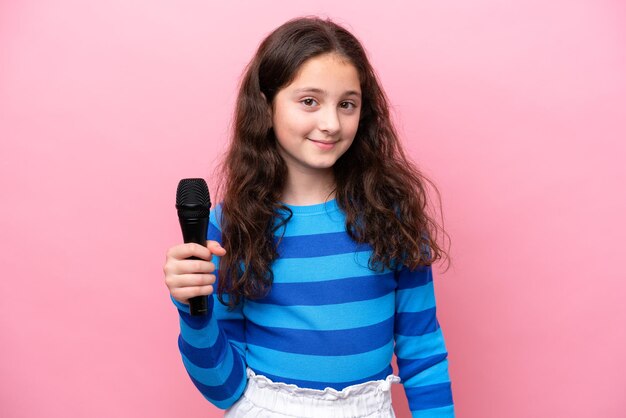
x=420, y=348
x=213, y=346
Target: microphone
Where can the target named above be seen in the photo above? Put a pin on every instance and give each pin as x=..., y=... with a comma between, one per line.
x=193, y=204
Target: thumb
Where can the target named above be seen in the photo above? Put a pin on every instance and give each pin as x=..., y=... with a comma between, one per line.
x=215, y=248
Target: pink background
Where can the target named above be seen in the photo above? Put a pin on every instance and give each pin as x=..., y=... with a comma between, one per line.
x=516, y=109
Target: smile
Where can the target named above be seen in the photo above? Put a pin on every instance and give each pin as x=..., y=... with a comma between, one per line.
x=325, y=145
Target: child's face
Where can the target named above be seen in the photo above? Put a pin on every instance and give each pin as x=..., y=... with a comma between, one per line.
x=315, y=118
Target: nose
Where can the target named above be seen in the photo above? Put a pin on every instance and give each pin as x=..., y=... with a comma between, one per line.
x=329, y=121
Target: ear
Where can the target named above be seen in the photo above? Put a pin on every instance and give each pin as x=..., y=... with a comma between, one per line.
x=269, y=109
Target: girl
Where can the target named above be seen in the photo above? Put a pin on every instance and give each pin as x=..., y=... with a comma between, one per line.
x=322, y=247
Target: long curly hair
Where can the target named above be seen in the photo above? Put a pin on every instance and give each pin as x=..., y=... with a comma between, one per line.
x=384, y=196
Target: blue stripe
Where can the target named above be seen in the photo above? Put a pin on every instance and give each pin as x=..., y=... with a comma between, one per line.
x=322, y=343
x=199, y=321
x=326, y=317
x=416, y=323
x=431, y=396
x=437, y=373
x=318, y=245
x=319, y=368
x=206, y=357
x=223, y=312
x=200, y=338
x=409, y=368
x=420, y=346
x=228, y=402
x=213, y=376
x=442, y=412
x=331, y=291
x=382, y=375
x=234, y=329
x=297, y=270
x=215, y=216
x=331, y=220
x=226, y=390
x=213, y=233
x=408, y=279
x=416, y=299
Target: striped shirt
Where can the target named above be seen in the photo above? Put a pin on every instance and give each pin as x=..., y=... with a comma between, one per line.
x=328, y=321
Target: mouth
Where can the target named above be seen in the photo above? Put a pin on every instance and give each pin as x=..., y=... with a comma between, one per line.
x=319, y=141
x=324, y=145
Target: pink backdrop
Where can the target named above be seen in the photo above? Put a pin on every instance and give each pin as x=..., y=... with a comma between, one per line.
x=516, y=108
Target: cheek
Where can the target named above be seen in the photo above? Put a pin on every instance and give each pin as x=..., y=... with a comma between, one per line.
x=302, y=122
x=290, y=123
x=349, y=145
x=351, y=127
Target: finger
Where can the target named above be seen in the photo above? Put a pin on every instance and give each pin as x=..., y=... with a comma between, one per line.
x=191, y=280
x=193, y=266
x=190, y=249
x=215, y=248
x=183, y=294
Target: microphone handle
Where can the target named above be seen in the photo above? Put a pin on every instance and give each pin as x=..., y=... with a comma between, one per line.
x=194, y=230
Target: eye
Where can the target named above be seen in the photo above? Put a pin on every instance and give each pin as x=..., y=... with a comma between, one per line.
x=308, y=101
x=348, y=105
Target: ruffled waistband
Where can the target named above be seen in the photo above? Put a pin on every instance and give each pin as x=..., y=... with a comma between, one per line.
x=326, y=394
x=278, y=399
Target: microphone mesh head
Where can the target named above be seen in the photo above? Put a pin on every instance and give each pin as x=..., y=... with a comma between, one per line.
x=192, y=198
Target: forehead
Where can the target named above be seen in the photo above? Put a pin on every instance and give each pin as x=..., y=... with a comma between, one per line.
x=329, y=72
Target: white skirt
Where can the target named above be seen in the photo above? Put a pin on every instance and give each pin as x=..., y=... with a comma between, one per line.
x=266, y=399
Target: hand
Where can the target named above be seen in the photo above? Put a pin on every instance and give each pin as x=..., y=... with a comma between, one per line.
x=189, y=278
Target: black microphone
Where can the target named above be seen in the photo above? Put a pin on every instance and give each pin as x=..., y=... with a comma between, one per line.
x=193, y=205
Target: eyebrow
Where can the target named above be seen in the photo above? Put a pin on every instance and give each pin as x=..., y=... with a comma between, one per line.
x=320, y=91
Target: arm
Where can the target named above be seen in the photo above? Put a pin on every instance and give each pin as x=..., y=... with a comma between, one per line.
x=420, y=348
x=213, y=346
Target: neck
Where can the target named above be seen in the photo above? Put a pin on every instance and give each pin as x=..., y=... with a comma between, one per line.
x=303, y=189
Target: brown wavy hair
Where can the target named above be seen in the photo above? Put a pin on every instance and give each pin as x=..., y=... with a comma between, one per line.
x=383, y=195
